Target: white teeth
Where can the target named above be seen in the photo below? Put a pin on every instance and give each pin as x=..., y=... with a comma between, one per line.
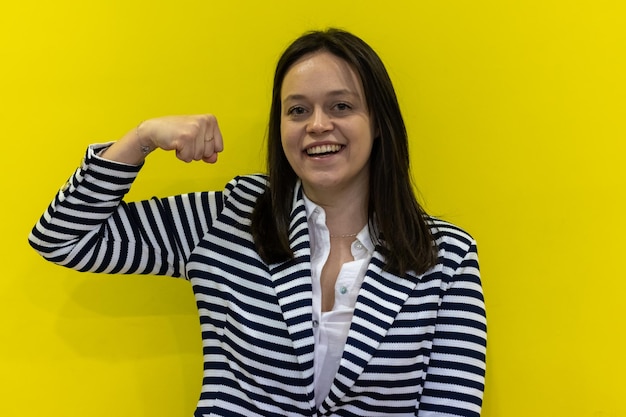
x=316, y=150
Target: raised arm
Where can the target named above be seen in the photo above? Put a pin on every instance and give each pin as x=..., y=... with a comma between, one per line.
x=193, y=138
x=89, y=228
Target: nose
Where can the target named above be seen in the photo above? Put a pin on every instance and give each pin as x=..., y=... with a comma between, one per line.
x=319, y=122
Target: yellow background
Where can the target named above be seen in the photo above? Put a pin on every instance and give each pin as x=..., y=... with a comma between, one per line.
x=516, y=114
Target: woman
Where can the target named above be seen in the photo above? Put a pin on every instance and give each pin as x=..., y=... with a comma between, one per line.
x=323, y=288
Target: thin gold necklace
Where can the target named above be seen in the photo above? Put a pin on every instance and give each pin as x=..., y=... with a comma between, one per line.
x=348, y=235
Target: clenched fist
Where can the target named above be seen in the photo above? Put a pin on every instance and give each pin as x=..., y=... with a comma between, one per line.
x=194, y=138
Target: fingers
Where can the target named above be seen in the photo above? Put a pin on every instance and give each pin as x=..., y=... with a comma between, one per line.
x=218, y=146
x=198, y=138
x=213, y=143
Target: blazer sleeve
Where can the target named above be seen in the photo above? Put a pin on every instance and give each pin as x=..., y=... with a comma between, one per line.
x=455, y=378
x=88, y=226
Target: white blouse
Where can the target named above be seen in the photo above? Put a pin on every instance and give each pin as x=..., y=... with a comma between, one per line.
x=331, y=328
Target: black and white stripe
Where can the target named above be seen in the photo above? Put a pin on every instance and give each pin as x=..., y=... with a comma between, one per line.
x=416, y=347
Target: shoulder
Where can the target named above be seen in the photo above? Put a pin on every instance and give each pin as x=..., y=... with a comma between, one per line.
x=447, y=233
x=454, y=244
x=247, y=186
x=242, y=192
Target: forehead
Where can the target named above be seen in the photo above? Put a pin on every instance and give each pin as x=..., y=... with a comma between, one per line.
x=319, y=72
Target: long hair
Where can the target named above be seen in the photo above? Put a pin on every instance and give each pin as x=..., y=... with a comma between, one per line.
x=398, y=221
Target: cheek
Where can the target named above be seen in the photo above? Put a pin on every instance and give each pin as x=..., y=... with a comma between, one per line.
x=284, y=141
x=288, y=147
x=288, y=136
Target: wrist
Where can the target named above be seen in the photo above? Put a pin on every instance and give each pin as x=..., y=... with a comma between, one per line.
x=145, y=144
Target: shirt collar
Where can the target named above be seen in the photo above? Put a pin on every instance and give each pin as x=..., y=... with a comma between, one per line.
x=313, y=209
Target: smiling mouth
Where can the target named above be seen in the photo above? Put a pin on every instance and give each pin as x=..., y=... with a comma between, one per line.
x=323, y=150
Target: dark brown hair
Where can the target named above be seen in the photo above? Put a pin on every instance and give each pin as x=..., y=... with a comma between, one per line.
x=399, y=224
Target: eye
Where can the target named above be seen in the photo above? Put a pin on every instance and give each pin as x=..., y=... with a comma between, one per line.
x=296, y=111
x=342, y=107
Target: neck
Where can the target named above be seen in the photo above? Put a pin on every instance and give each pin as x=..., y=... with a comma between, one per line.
x=346, y=213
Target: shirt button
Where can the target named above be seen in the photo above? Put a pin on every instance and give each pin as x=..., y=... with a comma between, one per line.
x=359, y=246
x=343, y=289
x=315, y=324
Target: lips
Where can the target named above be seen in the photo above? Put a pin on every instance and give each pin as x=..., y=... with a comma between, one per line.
x=321, y=150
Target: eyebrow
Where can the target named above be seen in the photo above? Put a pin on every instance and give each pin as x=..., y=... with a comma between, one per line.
x=334, y=93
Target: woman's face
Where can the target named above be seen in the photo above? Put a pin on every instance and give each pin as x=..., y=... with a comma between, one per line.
x=326, y=129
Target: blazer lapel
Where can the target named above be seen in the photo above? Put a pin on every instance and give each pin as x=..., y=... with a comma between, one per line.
x=292, y=282
x=380, y=298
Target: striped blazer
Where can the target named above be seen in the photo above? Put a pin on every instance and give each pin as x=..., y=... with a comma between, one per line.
x=416, y=345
